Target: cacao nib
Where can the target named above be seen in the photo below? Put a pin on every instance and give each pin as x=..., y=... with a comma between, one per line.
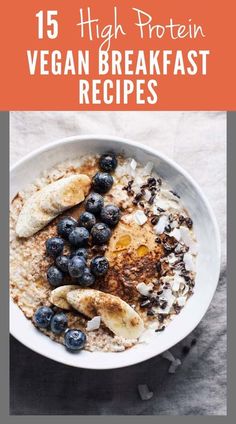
x=145, y=304
x=151, y=181
x=181, y=219
x=158, y=267
x=175, y=194
x=163, y=304
x=151, y=200
x=169, y=243
x=154, y=220
x=168, y=228
x=138, y=196
x=147, y=212
x=189, y=223
x=155, y=301
x=177, y=309
x=160, y=329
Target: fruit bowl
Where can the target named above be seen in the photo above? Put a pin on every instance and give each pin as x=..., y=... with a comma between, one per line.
x=208, y=259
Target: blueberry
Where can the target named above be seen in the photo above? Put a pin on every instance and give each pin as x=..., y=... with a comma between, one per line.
x=87, y=220
x=110, y=214
x=54, y=276
x=54, y=246
x=101, y=233
x=74, y=340
x=58, y=323
x=102, y=182
x=87, y=278
x=62, y=263
x=94, y=203
x=79, y=236
x=65, y=225
x=43, y=316
x=99, y=265
x=82, y=252
x=76, y=267
x=108, y=162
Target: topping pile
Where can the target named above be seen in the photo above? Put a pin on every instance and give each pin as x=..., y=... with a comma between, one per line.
x=93, y=228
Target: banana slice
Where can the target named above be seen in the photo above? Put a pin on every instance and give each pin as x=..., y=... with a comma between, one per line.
x=49, y=202
x=31, y=218
x=58, y=296
x=64, y=193
x=116, y=314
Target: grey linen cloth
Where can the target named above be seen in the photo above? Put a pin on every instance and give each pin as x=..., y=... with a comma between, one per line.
x=197, y=141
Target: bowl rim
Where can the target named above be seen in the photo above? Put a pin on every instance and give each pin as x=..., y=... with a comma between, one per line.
x=156, y=153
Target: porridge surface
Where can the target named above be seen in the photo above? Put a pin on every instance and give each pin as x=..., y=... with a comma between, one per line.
x=151, y=252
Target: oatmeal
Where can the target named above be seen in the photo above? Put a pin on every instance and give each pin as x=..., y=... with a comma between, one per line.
x=126, y=254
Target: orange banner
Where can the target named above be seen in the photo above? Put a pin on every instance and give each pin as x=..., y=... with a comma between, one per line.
x=118, y=55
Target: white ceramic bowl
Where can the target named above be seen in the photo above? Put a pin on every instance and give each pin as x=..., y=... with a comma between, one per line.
x=208, y=260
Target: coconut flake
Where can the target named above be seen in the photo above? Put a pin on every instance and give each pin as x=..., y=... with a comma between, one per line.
x=181, y=300
x=185, y=289
x=162, y=203
x=168, y=355
x=187, y=239
x=193, y=248
x=147, y=196
x=166, y=279
x=144, y=392
x=175, y=286
x=137, y=183
x=175, y=362
x=121, y=171
x=155, y=211
x=148, y=168
x=188, y=261
x=174, y=365
x=140, y=217
x=94, y=324
x=177, y=282
x=170, y=196
x=145, y=289
x=172, y=259
x=161, y=225
x=179, y=248
x=167, y=295
x=186, y=236
x=133, y=166
x=176, y=234
x=166, y=204
x=169, y=298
